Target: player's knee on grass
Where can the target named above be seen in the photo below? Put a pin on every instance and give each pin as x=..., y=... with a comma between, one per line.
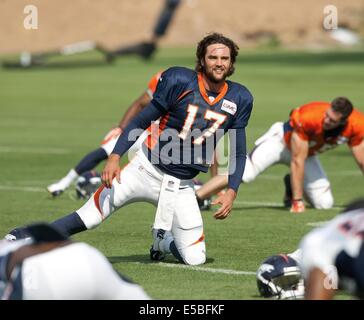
x=194, y=255
x=324, y=201
x=320, y=195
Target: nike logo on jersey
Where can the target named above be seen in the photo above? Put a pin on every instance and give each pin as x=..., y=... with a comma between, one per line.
x=228, y=106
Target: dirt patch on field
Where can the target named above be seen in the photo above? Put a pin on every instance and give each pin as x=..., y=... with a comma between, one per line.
x=119, y=22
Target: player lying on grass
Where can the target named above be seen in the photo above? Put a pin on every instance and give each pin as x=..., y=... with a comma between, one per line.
x=49, y=266
x=311, y=129
x=330, y=257
x=192, y=106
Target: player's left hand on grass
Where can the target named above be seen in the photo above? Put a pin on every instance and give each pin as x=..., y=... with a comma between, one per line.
x=111, y=170
x=298, y=206
x=226, y=200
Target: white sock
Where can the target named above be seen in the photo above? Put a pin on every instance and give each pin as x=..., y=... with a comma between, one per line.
x=66, y=181
x=166, y=242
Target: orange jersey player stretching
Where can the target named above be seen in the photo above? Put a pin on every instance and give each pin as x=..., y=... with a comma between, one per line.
x=311, y=129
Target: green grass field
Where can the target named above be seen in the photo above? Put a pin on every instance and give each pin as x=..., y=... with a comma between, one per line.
x=50, y=117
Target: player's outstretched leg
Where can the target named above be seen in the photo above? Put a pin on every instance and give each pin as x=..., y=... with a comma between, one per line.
x=90, y=161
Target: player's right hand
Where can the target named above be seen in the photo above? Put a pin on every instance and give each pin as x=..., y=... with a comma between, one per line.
x=298, y=206
x=111, y=170
x=226, y=200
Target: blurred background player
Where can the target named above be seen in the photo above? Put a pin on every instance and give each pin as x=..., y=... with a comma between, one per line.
x=311, y=129
x=147, y=49
x=92, y=159
x=333, y=255
x=48, y=266
x=144, y=49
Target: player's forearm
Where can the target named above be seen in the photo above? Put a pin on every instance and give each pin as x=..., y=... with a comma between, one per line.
x=315, y=289
x=361, y=166
x=297, y=175
x=237, y=159
x=212, y=187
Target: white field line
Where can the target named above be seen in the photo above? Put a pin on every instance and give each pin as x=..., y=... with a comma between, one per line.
x=317, y=224
x=270, y=204
x=244, y=203
x=330, y=174
x=203, y=269
x=257, y=203
x=25, y=189
x=6, y=149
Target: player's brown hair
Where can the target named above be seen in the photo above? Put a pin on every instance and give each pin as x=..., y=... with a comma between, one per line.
x=213, y=38
x=343, y=106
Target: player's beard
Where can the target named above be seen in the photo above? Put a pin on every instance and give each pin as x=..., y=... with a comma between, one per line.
x=210, y=76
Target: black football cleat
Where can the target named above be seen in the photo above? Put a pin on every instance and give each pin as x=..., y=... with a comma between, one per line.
x=17, y=234
x=204, y=204
x=156, y=255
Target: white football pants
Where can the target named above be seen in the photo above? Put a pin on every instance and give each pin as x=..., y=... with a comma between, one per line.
x=271, y=149
x=75, y=272
x=141, y=181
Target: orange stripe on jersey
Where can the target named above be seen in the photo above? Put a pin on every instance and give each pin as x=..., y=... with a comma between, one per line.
x=183, y=95
x=202, y=238
x=204, y=93
x=155, y=132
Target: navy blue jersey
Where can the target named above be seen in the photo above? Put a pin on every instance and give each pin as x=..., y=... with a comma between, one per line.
x=194, y=121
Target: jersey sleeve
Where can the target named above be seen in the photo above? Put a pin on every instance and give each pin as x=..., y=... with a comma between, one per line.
x=297, y=124
x=358, y=131
x=152, y=85
x=172, y=83
x=243, y=112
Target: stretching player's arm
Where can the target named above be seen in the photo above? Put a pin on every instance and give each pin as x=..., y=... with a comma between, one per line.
x=213, y=186
x=315, y=289
x=142, y=121
x=236, y=170
x=358, y=153
x=299, y=152
x=135, y=108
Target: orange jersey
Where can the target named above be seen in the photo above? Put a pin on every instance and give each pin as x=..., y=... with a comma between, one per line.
x=307, y=122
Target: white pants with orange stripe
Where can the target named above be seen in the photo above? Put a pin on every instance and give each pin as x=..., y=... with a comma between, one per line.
x=271, y=149
x=142, y=181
